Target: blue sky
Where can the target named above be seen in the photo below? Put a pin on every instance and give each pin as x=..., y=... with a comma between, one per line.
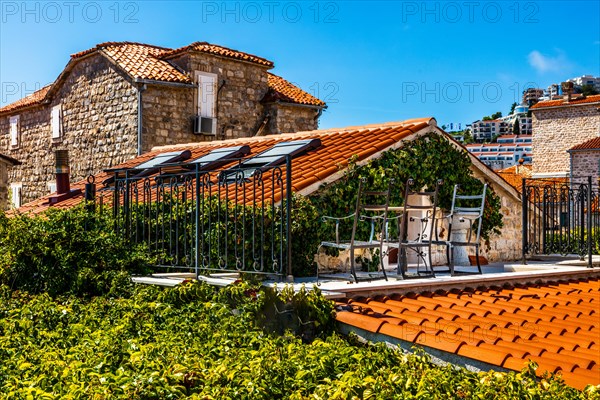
x=370, y=61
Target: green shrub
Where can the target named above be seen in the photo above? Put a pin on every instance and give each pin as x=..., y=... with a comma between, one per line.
x=67, y=252
x=196, y=341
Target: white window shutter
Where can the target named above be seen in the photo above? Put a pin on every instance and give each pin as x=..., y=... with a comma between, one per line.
x=56, y=122
x=16, y=194
x=207, y=94
x=14, y=131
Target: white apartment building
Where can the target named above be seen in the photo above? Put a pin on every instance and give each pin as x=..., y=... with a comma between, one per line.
x=486, y=130
x=507, y=152
x=525, y=122
x=586, y=80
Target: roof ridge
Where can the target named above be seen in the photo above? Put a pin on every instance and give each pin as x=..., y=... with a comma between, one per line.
x=294, y=135
x=580, y=99
x=103, y=45
x=193, y=46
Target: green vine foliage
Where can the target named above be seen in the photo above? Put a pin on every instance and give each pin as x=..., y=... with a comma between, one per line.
x=195, y=341
x=68, y=252
x=425, y=160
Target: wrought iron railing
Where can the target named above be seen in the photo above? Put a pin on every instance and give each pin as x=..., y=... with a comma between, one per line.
x=207, y=221
x=560, y=217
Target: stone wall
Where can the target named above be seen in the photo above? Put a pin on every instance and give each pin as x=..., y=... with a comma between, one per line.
x=167, y=116
x=242, y=87
x=506, y=246
x=34, y=151
x=290, y=118
x=556, y=130
x=503, y=247
x=583, y=164
x=99, y=108
x=240, y=112
x=4, y=204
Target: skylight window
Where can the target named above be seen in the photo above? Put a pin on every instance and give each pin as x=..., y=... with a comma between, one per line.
x=218, y=157
x=163, y=158
x=274, y=156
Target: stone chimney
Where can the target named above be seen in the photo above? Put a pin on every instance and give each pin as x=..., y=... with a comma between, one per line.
x=62, y=171
x=567, y=90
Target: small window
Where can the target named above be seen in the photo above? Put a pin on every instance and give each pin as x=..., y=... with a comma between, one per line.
x=207, y=94
x=15, y=194
x=51, y=187
x=14, y=131
x=56, y=123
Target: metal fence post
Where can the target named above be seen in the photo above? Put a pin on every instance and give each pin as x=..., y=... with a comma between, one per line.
x=196, y=250
x=589, y=221
x=288, y=184
x=524, y=205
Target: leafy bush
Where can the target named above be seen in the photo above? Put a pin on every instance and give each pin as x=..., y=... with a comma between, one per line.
x=196, y=341
x=67, y=252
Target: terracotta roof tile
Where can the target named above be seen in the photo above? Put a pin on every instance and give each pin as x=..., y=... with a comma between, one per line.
x=282, y=90
x=36, y=97
x=592, y=144
x=561, y=103
x=139, y=60
x=217, y=50
x=308, y=170
x=144, y=62
x=149, y=62
x=554, y=324
x=580, y=377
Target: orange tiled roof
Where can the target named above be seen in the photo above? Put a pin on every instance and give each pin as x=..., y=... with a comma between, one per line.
x=593, y=144
x=557, y=325
x=514, y=175
x=205, y=47
x=282, y=90
x=562, y=103
x=36, y=97
x=309, y=170
x=144, y=61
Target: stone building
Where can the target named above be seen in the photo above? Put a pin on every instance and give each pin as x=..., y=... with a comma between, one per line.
x=119, y=100
x=558, y=125
x=7, y=197
x=584, y=161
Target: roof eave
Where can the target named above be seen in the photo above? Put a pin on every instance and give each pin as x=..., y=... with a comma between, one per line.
x=271, y=64
x=28, y=107
x=292, y=104
x=10, y=160
x=565, y=105
x=581, y=150
x=164, y=83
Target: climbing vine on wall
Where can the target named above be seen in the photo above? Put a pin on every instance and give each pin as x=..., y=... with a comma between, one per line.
x=426, y=159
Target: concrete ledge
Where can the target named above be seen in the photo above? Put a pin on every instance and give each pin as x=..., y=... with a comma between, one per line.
x=520, y=274
x=150, y=280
